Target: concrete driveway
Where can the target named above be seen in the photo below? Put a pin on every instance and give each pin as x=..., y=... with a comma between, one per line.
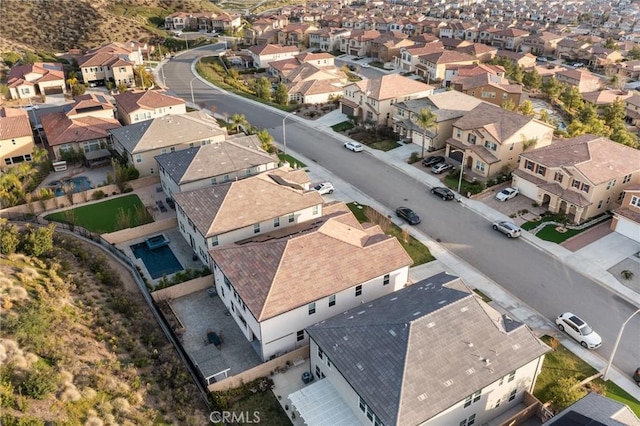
x=512, y=206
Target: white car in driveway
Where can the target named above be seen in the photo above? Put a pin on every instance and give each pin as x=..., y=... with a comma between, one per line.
x=578, y=330
x=324, y=188
x=354, y=146
x=507, y=194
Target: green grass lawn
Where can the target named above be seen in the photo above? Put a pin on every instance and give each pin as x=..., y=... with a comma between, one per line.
x=103, y=217
x=267, y=407
x=384, y=145
x=340, y=127
x=418, y=252
x=561, y=362
x=452, y=180
x=549, y=233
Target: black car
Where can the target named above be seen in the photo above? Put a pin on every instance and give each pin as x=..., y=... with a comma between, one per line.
x=444, y=193
x=409, y=215
x=432, y=161
x=636, y=376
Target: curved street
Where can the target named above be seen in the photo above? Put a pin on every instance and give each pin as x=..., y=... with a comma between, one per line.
x=522, y=270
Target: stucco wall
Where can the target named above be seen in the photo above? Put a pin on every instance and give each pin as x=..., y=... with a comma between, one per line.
x=261, y=370
x=128, y=234
x=183, y=289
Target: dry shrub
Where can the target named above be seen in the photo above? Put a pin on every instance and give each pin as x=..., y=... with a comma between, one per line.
x=554, y=343
x=94, y=421
x=121, y=405
x=405, y=235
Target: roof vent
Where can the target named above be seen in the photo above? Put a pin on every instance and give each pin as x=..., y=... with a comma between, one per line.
x=487, y=361
x=394, y=298
x=442, y=302
x=448, y=383
x=415, y=314
x=345, y=337
x=464, y=309
x=431, y=324
x=471, y=371
x=422, y=397
x=392, y=332
x=516, y=346
x=360, y=367
x=469, y=344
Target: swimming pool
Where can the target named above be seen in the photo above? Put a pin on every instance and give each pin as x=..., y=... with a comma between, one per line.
x=78, y=183
x=159, y=261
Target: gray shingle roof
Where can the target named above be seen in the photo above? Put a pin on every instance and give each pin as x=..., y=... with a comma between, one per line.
x=599, y=410
x=416, y=352
x=216, y=159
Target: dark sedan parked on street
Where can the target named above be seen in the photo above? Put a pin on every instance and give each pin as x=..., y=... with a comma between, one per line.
x=445, y=193
x=409, y=215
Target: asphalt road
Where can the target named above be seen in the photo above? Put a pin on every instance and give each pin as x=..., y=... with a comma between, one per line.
x=529, y=274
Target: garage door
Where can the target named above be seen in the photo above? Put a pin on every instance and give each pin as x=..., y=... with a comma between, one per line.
x=526, y=188
x=628, y=229
x=52, y=90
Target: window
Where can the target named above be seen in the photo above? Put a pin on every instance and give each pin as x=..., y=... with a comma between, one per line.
x=358, y=290
x=256, y=228
x=226, y=178
x=291, y=217
x=312, y=308
x=585, y=188
x=576, y=184
x=611, y=184
x=512, y=395
x=469, y=421
x=512, y=376
x=620, y=196
x=542, y=170
x=490, y=145
x=600, y=204
x=479, y=166
x=558, y=177
x=276, y=222
x=635, y=201
x=299, y=335
x=363, y=406
x=138, y=158
x=386, y=279
x=214, y=180
x=472, y=398
x=320, y=354
x=214, y=241
x=332, y=300
x=497, y=403
x=471, y=138
x=315, y=210
x=458, y=133
x=528, y=165
x=626, y=179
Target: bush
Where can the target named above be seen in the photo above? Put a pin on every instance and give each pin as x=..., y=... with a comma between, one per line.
x=414, y=157
x=98, y=195
x=127, y=190
x=39, y=382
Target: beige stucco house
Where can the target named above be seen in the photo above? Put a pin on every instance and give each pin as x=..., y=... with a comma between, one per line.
x=582, y=177
x=16, y=136
x=372, y=100
x=141, y=142
x=263, y=54
x=40, y=78
x=433, y=66
x=489, y=139
x=626, y=218
x=277, y=283
x=580, y=78
x=134, y=106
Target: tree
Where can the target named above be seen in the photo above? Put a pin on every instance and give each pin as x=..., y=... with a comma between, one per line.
x=615, y=79
x=38, y=241
x=239, y=120
x=571, y=97
x=9, y=237
x=526, y=108
x=634, y=53
x=615, y=111
x=425, y=120
x=140, y=74
x=122, y=87
x=517, y=74
x=621, y=135
x=30, y=58
x=266, y=139
x=532, y=80
x=509, y=105
x=610, y=43
x=552, y=88
x=544, y=116
x=262, y=88
x=528, y=142
x=282, y=94
x=594, y=127
x=565, y=391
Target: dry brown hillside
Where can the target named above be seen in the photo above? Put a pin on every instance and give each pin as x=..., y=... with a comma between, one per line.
x=58, y=25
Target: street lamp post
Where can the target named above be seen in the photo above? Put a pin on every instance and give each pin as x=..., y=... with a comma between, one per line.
x=615, y=346
x=284, y=132
x=461, y=167
x=191, y=87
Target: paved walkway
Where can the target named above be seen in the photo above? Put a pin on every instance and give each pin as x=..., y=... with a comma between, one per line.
x=593, y=260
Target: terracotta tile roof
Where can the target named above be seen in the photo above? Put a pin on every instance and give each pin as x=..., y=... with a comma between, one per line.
x=88, y=102
x=606, y=97
x=314, y=259
x=14, y=123
x=272, y=49
x=426, y=49
x=222, y=208
x=316, y=87
x=447, y=56
x=50, y=70
x=486, y=79
x=501, y=124
x=597, y=158
x=104, y=59
x=391, y=86
x=133, y=100
x=632, y=215
x=60, y=129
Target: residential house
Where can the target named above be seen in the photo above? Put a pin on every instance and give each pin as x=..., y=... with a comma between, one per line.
x=284, y=67
x=541, y=44
x=141, y=142
x=107, y=66
x=203, y=21
x=601, y=98
x=569, y=49
x=295, y=35
x=40, y=78
x=327, y=39
x=238, y=157
x=447, y=106
x=454, y=70
x=509, y=39
x=626, y=218
x=582, y=177
x=372, y=100
x=480, y=51
x=432, y=66
x=258, y=27
x=595, y=409
x=525, y=60
x=133, y=106
x=410, y=56
x=331, y=264
x=358, y=43
x=489, y=87
x=387, y=47
x=488, y=140
x=16, y=136
x=602, y=58
x=580, y=78
x=263, y=54
x=83, y=128
x=633, y=110
x=132, y=51
x=431, y=354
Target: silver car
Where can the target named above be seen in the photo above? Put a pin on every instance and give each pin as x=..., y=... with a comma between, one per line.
x=509, y=229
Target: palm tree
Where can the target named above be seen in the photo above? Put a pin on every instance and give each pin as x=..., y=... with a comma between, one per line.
x=239, y=120
x=425, y=120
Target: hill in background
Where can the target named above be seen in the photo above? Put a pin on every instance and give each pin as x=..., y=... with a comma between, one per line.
x=59, y=25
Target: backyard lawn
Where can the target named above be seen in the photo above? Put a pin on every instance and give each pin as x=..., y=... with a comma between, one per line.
x=418, y=252
x=107, y=216
x=561, y=363
x=549, y=232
